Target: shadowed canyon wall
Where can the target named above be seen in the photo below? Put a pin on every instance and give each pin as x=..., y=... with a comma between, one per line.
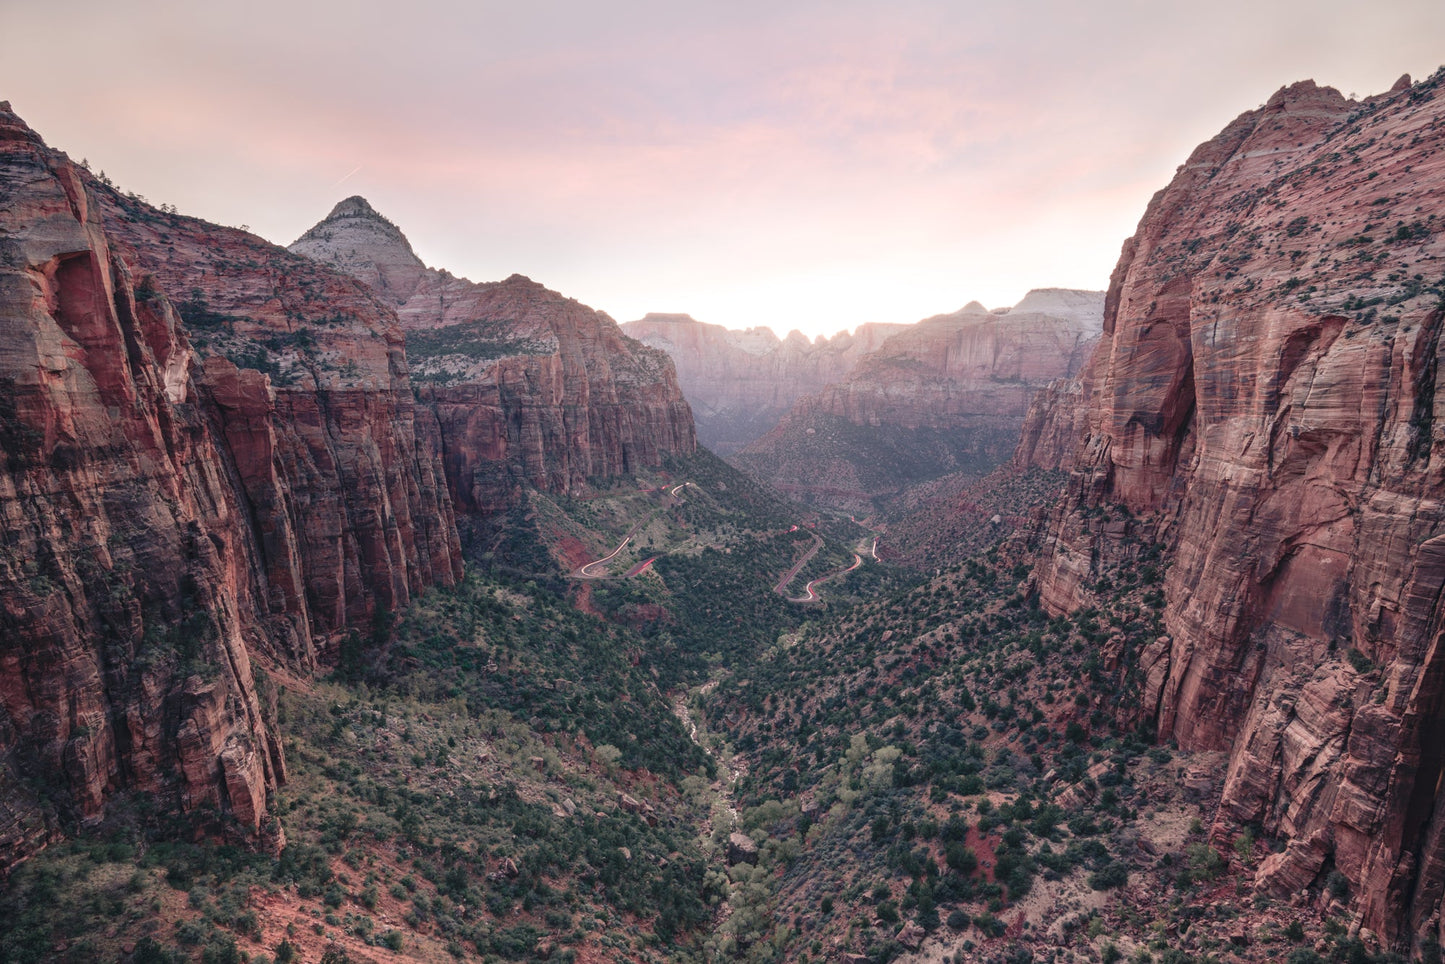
x=168, y=515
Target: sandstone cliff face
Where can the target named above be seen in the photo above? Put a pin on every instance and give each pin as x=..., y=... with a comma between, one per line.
x=307, y=373
x=740, y=383
x=948, y=393
x=169, y=514
x=521, y=385
x=1264, y=401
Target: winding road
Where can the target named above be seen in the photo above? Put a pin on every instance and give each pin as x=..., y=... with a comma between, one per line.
x=597, y=568
x=640, y=568
x=788, y=576
x=589, y=570
x=586, y=570
x=812, y=596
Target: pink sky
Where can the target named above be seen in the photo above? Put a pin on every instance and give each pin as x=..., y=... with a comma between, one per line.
x=811, y=165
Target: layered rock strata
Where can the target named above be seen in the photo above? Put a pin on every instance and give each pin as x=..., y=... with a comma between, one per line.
x=525, y=386
x=209, y=454
x=947, y=394
x=740, y=383
x=1264, y=404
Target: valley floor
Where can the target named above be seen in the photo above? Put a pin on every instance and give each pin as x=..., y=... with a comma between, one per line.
x=676, y=762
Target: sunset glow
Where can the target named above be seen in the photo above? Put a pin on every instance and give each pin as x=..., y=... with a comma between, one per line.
x=808, y=165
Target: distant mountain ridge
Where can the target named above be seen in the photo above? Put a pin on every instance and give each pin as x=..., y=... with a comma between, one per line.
x=740, y=382
x=947, y=394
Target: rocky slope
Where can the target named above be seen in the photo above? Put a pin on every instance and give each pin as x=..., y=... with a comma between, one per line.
x=525, y=387
x=1264, y=404
x=740, y=383
x=210, y=454
x=949, y=393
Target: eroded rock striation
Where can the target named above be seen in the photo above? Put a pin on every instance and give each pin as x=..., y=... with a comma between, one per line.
x=740, y=383
x=947, y=394
x=522, y=385
x=210, y=456
x=1264, y=403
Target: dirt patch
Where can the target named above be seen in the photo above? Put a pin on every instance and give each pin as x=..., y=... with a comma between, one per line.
x=582, y=598
x=572, y=552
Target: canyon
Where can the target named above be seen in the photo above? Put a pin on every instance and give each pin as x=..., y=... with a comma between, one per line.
x=227, y=462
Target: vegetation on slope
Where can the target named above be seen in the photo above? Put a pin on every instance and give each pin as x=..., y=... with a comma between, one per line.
x=537, y=766
x=951, y=767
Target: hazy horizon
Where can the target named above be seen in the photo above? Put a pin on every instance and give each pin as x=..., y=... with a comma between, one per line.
x=811, y=166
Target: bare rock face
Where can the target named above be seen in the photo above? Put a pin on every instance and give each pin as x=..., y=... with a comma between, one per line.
x=740, y=383
x=1264, y=403
x=358, y=241
x=169, y=514
x=948, y=393
x=521, y=385
x=308, y=376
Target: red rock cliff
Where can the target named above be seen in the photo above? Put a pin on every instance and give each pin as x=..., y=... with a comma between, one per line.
x=168, y=515
x=307, y=374
x=525, y=387
x=1264, y=400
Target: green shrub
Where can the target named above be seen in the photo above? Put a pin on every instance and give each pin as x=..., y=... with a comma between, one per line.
x=1110, y=876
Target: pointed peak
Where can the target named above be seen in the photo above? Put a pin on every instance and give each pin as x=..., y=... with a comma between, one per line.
x=355, y=206
x=358, y=210
x=365, y=245
x=974, y=308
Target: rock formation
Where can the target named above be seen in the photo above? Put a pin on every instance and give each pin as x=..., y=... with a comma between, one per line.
x=522, y=385
x=362, y=243
x=947, y=394
x=209, y=456
x=740, y=383
x=1264, y=403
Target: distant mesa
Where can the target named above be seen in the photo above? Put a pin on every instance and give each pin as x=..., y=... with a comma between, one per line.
x=949, y=394
x=742, y=383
